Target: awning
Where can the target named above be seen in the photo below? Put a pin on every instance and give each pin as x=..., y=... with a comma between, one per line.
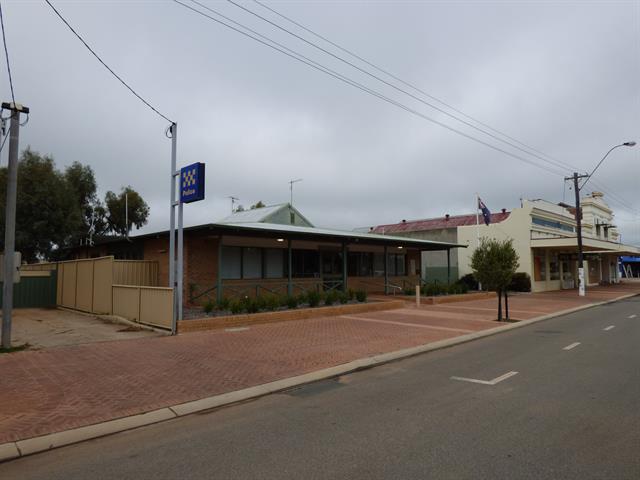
x=592, y=245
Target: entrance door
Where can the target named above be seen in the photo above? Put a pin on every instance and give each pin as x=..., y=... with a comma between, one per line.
x=331, y=269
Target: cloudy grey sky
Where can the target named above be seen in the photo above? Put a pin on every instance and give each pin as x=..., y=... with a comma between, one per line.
x=563, y=77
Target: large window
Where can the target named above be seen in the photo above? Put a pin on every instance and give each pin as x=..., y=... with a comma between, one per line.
x=274, y=263
x=231, y=262
x=306, y=263
x=554, y=267
x=251, y=262
x=539, y=267
x=396, y=264
x=360, y=264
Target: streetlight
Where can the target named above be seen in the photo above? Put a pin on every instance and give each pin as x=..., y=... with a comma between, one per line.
x=577, y=188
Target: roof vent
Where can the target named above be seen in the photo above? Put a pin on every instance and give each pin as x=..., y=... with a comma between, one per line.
x=404, y=221
x=446, y=217
x=504, y=210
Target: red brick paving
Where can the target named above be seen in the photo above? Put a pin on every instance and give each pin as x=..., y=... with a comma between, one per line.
x=57, y=389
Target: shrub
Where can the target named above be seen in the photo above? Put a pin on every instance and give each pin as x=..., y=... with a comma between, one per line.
x=271, y=303
x=458, y=288
x=434, y=289
x=351, y=294
x=343, y=297
x=520, y=282
x=361, y=295
x=331, y=297
x=208, y=307
x=409, y=291
x=223, y=304
x=291, y=301
x=470, y=281
x=250, y=305
x=313, y=298
x=236, y=307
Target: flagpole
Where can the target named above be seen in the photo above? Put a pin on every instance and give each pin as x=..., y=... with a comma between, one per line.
x=478, y=228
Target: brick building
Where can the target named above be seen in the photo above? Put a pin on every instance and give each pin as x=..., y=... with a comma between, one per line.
x=276, y=250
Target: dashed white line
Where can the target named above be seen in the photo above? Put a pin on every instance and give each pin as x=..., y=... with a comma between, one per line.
x=486, y=382
x=610, y=327
x=632, y=316
x=573, y=345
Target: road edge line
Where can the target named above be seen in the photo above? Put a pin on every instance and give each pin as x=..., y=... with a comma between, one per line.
x=43, y=443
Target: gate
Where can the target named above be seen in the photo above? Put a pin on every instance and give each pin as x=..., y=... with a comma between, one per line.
x=37, y=289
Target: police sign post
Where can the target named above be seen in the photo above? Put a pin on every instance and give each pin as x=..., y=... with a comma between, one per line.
x=191, y=190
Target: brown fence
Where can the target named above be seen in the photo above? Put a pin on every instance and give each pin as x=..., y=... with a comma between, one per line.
x=105, y=286
x=148, y=305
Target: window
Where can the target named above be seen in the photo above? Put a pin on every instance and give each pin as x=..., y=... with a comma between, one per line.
x=231, y=262
x=251, y=262
x=539, y=267
x=305, y=263
x=273, y=263
x=396, y=264
x=400, y=264
x=378, y=264
x=554, y=267
x=360, y=264
x=543, y=222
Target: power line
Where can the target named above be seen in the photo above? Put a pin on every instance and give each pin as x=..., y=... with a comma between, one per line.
x=408, y=84
x=6, y=54
x=105, y=65
x=328, y=71
x=552, y=160
x=376, y=77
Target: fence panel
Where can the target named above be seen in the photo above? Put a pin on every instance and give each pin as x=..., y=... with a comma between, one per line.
x=102, y=282
x=156, y=306
x=126, y=302
x=37, y=289
x=135, y=272
x=84, y=286
x=69, y=284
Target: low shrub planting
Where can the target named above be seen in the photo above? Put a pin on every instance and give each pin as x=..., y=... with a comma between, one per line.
x=223, y=304
x=331, y=297
x=470, y=281
x=343, y=298
x=235, y=307
x=313, y=298
x=351, y=294
x=208, y=307
x=520, y=282
x=291, y=301
x=361, y=296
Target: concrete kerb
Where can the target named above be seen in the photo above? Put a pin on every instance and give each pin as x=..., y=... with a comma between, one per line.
x=21, y=448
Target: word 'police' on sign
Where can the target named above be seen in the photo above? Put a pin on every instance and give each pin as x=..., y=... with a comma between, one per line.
x=192, y=183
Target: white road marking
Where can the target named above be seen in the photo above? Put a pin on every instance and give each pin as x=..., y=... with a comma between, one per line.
x=236, y=329
x=610, y=327
x=573, y=345
x=632, y=316
x=486, y=382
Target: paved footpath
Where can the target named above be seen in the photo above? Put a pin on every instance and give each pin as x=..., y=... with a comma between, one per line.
x=62, y=388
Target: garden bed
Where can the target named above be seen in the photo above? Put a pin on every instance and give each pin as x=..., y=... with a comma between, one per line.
x=247, y=319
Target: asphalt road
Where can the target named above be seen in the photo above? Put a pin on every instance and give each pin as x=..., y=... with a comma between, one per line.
x=567, y=414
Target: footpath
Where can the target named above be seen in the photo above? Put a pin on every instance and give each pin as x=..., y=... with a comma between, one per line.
x=57, y=396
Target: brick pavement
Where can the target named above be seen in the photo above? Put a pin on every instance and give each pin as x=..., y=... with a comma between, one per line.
x=62, y=388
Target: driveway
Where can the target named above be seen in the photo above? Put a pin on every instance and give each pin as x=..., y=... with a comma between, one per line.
x=50, y=327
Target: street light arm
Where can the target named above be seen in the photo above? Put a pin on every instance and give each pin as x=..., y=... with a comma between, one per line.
x=625, y=144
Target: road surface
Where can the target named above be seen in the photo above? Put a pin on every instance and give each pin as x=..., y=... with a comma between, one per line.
x=571, y=411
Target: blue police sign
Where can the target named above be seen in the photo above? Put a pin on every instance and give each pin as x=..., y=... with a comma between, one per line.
x=192, y=183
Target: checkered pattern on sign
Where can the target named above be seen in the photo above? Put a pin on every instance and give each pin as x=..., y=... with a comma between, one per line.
x=189, y=178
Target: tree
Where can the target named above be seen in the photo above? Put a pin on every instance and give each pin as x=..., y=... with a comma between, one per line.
x=82, y=181
x=260, y=204
x=138, y=210
x=494, y=262
x=47, y=211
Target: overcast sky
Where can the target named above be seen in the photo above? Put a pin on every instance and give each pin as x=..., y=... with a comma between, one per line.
x=563, y=77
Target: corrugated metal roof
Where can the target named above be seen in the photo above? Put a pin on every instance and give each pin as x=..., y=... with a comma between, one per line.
x=253, y=216
x=437, y=223
x=342, y=234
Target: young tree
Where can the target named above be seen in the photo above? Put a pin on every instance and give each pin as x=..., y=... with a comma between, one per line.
x=494, y=262
x=117, y=206
x=260, y=204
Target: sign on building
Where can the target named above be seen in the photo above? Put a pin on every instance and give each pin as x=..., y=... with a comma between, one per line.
x=192, y=183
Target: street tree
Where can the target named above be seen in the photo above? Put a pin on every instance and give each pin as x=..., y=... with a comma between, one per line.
x=128, y=203
x=494, y=263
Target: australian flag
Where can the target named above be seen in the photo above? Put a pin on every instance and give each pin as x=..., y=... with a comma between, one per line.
x=486, y=214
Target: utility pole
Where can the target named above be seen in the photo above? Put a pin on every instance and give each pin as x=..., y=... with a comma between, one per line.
x=576, y=188
x=173, y=129
x=233, y=201
x=126, y=212
x=10, y=219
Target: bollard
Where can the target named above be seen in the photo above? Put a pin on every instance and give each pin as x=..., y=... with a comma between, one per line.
x=417, y=295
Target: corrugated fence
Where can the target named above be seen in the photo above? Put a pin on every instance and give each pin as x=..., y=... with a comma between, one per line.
x=105, y=286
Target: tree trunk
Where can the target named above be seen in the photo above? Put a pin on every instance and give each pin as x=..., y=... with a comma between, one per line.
x=499, y=292
x=506, y=304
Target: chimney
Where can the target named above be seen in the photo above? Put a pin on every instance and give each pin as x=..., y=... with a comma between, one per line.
x=504, y=210
x=446, y=217
x=404, y=221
